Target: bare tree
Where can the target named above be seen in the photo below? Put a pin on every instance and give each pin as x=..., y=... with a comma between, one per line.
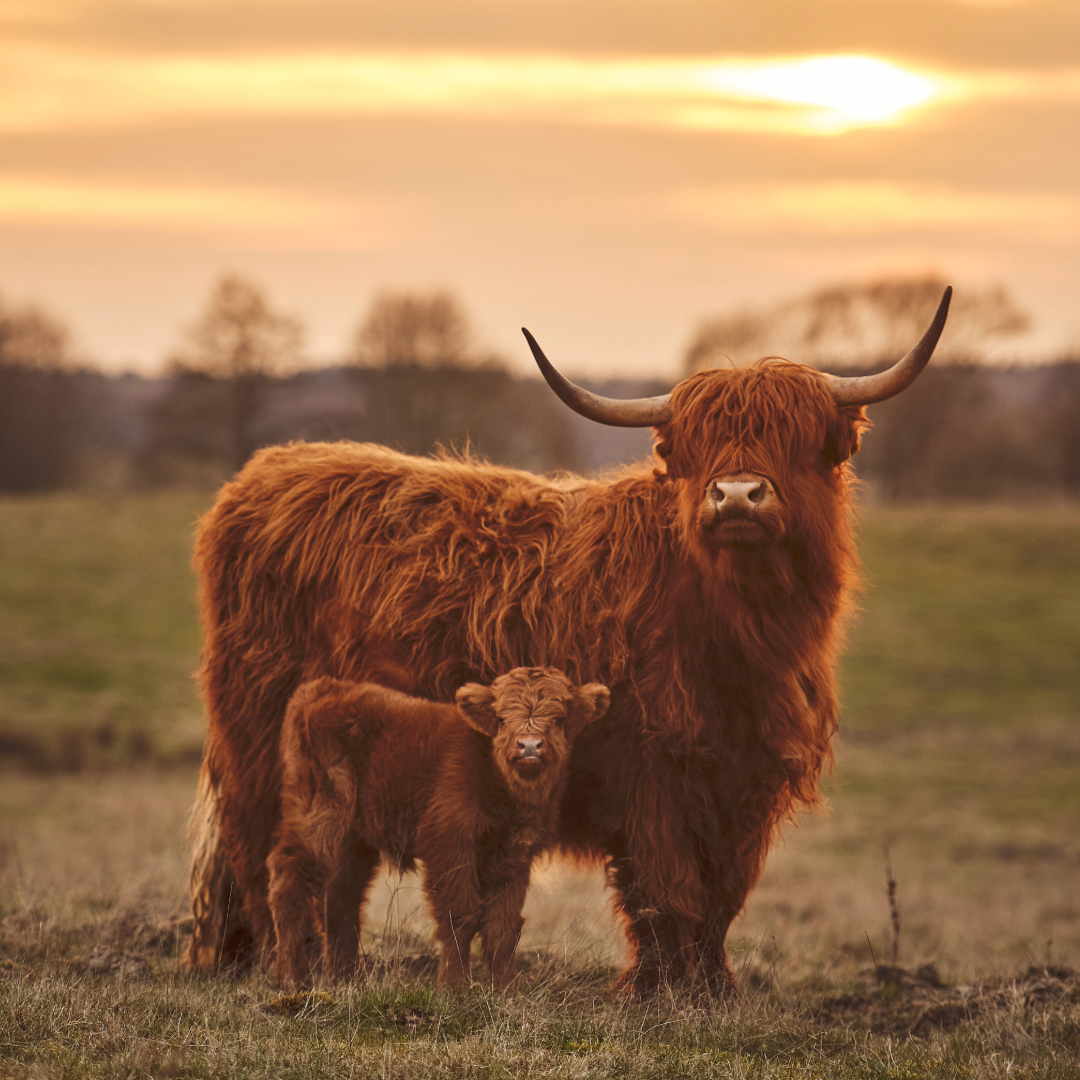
x=31, y=338
x=238, y=342
x=403, y=329
x=1060, y=427
x=41, y=410
x=431, y=386
x=858, y=324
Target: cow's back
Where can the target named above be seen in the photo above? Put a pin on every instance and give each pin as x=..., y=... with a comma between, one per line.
x=350, y=560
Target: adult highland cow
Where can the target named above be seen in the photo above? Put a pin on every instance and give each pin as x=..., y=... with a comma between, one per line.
x=708, y=592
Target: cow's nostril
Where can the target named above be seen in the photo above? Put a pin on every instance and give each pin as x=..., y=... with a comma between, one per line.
x=757, y=494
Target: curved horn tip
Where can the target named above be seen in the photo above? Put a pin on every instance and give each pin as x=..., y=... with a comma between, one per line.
x=634, y=412
x=868, y=389
x=937, y=324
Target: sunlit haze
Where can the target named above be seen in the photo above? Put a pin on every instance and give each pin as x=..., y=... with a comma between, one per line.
x=607, y=174
x=61, y=88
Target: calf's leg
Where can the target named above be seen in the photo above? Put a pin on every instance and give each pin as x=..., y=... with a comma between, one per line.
x=295, y=880
x=455, y=937
x=342, y=904
x=311, y=852
x=454, y=899
x=500, y=930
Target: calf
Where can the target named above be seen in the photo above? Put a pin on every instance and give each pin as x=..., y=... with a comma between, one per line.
x=471, y=790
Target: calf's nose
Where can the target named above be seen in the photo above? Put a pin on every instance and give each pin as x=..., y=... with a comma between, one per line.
x=530, y=747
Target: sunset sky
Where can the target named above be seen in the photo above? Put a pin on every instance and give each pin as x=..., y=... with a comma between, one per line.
x=606, y=173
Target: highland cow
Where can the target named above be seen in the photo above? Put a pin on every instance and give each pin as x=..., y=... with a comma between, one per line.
x=708, y=591
x=471, y=790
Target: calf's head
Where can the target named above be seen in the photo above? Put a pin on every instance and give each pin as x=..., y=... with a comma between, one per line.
x=532, y=716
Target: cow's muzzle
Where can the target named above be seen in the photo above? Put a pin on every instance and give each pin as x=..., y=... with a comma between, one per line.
x=741, y=510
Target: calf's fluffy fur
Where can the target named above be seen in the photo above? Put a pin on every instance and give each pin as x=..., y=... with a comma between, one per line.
x=471, y=790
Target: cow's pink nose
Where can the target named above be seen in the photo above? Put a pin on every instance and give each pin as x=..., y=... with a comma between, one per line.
x=530, y=747
x=745, y=493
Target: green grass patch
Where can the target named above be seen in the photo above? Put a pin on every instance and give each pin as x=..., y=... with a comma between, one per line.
x=98, y=629
x=970, y=614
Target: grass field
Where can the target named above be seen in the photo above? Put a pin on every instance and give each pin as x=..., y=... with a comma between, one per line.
x=99, y=633
x=960, y=752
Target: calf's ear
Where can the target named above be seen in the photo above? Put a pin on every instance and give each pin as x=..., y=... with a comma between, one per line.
x=477, y=704
x=592, y=701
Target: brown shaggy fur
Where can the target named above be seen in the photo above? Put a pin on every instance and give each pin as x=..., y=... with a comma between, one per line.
x=471, y=791
x=356, y=562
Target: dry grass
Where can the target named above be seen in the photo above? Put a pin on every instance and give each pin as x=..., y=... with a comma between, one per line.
x=93, y=886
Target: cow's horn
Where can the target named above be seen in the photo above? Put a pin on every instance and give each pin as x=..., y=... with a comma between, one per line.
x=618, y=412
x=866, y=389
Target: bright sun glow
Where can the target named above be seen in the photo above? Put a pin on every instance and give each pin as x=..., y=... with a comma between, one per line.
x=857, y=87
x=58, y=86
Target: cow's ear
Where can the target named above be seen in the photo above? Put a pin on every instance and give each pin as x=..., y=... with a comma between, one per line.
x=592, y=701
x=845, y=434
x=477, y=704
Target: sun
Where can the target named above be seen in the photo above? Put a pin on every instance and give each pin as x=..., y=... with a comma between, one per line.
x=854, y=89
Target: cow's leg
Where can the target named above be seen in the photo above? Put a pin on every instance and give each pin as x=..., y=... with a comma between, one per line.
x=713, y=966
x=245, y=829
x=232, y=824
x=221, y=935
x=625, y=800
x=247, y=678
x=500, y=930
x=661, y=940
x=728, y=876
x=729, y=873
x=343, y=903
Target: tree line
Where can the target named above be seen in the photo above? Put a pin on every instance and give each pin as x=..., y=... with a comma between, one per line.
x=415, y=379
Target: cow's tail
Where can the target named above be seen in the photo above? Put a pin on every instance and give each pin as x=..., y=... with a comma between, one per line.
x=220, y=936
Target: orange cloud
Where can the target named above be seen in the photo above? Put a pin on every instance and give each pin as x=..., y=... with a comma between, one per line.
x=53, y=201
x=860, y=207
